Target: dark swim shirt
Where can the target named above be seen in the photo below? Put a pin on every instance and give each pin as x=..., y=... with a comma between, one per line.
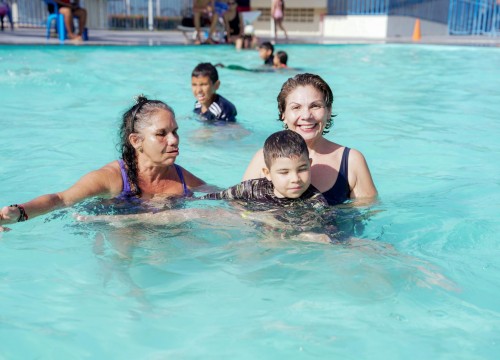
x=260, y=192
x=221, y=109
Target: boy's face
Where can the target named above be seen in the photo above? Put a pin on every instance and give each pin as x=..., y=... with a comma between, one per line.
x=264, y=53
x=290, y=176
x=276, y=61
x=204, y=90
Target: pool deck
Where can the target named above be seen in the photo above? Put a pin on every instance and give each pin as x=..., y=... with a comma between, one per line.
x=36, y=36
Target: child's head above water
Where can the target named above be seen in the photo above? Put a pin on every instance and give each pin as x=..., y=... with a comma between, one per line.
x=280, y=59
x=288, y=165
x=206, y=70
x=205, y=83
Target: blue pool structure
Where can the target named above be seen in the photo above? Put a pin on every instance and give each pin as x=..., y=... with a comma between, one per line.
x=421, y=281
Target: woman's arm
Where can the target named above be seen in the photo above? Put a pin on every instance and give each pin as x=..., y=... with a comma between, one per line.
x=360, y=178
x=105, y=181
x=254, y=169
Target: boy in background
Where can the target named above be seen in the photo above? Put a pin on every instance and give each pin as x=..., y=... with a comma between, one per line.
x=280, y=60
x=266, y=53
x=209, y=105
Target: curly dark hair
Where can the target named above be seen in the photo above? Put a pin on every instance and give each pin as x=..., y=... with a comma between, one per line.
x=304, y=80
x=133, y=120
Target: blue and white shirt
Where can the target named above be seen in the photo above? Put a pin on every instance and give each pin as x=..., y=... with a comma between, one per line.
x=221, y=109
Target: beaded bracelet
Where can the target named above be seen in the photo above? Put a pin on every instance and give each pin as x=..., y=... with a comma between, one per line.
x=22, y=213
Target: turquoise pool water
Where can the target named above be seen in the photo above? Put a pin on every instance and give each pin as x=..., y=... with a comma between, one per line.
x=422, y=283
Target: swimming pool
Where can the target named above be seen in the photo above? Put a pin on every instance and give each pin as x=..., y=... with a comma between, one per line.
x=423, y=285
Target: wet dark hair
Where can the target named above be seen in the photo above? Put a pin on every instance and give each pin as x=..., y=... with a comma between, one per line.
x=206, y=69
x=135, y=119
x=306, y=79
x=284, y=144
x=282, y=56
x=267, y=45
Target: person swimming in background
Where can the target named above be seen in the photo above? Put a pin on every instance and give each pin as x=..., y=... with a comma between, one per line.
x=209, y=105
x=266, y=53
x=280, y=60
x=271, y=61
x=287, y=176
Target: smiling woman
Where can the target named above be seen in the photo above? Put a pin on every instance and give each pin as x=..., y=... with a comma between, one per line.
x=150, y=145
x=340, y=173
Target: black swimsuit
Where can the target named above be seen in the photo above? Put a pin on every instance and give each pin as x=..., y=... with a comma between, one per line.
x=234, y=25
x=340, y=191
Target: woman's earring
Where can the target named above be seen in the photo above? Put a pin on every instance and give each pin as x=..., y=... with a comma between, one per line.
x=140, y=149
x=285, y=126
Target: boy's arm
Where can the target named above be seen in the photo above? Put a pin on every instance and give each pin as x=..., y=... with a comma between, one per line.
x=236, y=192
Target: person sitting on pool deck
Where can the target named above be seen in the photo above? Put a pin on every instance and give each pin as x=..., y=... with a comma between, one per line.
x=209, y=105
x=149, y=145
x=287, y=186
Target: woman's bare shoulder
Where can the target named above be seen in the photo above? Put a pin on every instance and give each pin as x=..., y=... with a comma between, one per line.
x=192, y=181
x=254, y=169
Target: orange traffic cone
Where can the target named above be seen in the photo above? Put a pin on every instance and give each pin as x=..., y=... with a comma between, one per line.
x=416, y=31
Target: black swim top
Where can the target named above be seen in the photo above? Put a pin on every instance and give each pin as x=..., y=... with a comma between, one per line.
x=340, y=191
x=234, y=25
x=126, y=191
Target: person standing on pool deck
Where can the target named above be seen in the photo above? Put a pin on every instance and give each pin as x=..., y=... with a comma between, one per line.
x=209, y=105
x=278, y=14
x=149, y=144
x=340, y=173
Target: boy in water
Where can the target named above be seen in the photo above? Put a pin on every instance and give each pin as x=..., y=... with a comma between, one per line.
x=266, y=53
x=280, y=60
x=209, y=105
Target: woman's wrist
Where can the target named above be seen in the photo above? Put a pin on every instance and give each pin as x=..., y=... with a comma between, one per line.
x=23, y=216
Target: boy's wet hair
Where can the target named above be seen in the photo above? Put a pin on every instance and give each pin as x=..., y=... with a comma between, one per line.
x=284, y=144
x=282, y=56
x=267, y=45
x=206, y=69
